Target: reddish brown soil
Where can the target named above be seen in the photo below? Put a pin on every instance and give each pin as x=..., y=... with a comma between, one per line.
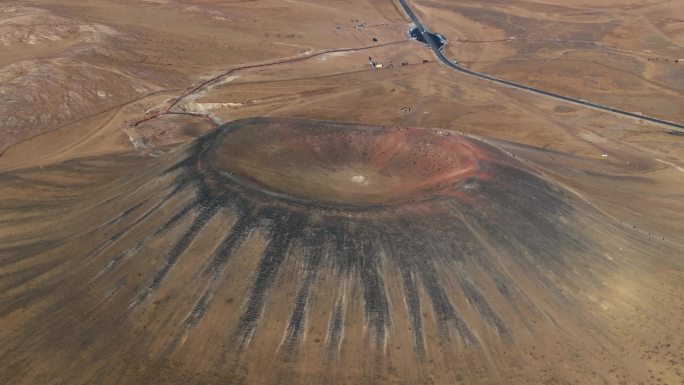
x=354, y=165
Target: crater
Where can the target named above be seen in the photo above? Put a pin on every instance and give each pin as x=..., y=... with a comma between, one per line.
x=345, y=164
x=493, y=254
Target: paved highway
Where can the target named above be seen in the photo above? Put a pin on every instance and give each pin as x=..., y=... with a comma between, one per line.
x=435, y=48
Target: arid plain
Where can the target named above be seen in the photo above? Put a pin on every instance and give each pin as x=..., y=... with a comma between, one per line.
x=201, y=192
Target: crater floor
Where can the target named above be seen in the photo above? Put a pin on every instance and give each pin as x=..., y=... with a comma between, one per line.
x=347, y=164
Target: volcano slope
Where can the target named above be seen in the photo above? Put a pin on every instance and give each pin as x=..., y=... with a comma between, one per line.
x=306, y=252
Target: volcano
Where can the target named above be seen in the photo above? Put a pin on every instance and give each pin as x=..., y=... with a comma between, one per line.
x=306, y=252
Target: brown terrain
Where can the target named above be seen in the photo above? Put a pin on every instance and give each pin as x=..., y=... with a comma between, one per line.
x=203, y=192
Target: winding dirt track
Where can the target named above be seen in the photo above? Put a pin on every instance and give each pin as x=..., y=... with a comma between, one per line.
x=170, y=109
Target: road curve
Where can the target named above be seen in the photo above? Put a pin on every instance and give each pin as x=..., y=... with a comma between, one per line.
x=436, y=49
